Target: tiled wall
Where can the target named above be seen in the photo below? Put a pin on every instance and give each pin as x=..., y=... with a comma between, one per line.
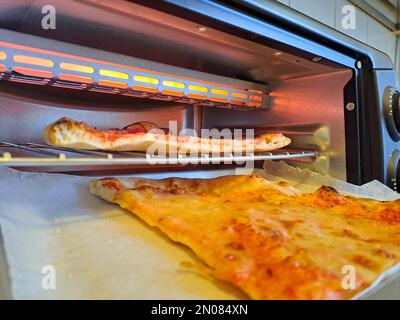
x=367, y=30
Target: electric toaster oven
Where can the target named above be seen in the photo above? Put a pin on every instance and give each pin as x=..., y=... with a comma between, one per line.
x=204, y=65
x=196, y=67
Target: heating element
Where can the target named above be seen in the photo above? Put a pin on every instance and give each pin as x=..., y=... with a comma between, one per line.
x=139, y=78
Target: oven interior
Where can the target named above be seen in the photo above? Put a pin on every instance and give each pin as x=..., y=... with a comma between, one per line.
x=303, y=95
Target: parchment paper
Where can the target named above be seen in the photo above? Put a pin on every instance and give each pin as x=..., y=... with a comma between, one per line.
x=308, y=181
x=100, y=251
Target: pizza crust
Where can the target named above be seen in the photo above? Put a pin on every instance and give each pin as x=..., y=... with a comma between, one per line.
x=144, y=135
x=110, y=188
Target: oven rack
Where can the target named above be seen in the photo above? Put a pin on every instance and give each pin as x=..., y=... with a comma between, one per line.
x=57, y=156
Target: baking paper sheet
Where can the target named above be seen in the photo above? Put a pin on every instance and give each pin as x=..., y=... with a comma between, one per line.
x=308, y=181
x=100, y=251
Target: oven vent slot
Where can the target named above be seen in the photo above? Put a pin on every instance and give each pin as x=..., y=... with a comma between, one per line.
x=34, y=154
x=133, y=77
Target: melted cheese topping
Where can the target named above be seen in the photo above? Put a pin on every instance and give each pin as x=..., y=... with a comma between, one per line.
x=267, y=238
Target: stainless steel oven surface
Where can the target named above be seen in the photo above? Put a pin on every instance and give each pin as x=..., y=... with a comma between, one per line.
x=192, y=67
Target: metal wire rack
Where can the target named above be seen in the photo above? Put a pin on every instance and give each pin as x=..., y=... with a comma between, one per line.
x=35, y=154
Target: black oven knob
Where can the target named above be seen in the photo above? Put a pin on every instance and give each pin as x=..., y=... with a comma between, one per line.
x=393, y=171
x=391, y=109
x=396, y=109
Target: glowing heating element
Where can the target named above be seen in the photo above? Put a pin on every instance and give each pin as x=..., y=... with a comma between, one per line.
x=197, y=88
x=115, y=84
x=76, y=67
x=146, y=79
x=256, y=98
x=239, y=95
x=33, y=72
x=75, y=78
x=33, y=61
x=172, y=93
x=3, y=55
x=37, y=66
x=217, y=99
x=196, y=96
x=145, y=89
x=113, y=74
x=220, y=92
x=173, y=84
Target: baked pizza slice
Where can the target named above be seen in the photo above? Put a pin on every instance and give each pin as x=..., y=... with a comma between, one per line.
x=266, y=238
x=141, y=136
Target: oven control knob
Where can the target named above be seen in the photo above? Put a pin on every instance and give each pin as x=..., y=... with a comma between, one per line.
x=393, y=171
x=396, y=109
x=391, y=108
